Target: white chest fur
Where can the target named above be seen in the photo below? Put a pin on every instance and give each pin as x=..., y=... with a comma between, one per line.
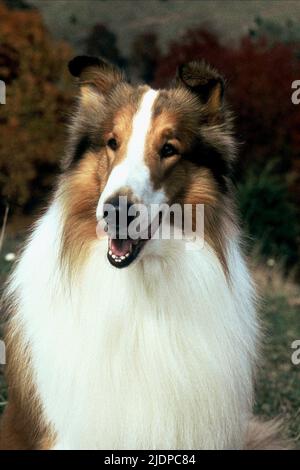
x=155, y=356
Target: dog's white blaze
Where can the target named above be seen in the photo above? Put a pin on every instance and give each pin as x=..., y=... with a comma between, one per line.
x=133, y=172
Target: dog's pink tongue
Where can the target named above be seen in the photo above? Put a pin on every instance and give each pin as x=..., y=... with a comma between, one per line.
x=120, y=247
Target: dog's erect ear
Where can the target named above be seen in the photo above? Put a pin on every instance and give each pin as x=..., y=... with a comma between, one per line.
x=95, y=72
x=204, y=81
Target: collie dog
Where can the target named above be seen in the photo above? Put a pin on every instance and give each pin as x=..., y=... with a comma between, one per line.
x=136, y=343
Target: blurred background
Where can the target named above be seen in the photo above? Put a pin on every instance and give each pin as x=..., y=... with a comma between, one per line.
x=255, y=45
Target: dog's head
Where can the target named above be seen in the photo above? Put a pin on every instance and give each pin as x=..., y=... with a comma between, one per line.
x=136, y=146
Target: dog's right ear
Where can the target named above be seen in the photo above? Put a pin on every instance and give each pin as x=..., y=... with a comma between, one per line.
x=95, y=73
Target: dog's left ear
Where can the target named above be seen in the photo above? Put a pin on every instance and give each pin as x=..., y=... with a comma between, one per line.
x=95, y=72
x=205, y=82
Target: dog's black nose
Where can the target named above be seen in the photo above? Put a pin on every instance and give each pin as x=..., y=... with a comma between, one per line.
x=116, y=213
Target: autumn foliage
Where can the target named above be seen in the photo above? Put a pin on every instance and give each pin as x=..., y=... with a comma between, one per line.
x=33, y=68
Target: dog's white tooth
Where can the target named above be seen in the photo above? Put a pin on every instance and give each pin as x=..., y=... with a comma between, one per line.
x=110, y=252
x=122, y=257
x=114, y=256
x=127, y=254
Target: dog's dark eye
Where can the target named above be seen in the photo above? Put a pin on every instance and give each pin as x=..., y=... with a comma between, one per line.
x=112, y=143
x=168, y=150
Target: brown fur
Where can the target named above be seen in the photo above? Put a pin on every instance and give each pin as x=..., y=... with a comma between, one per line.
x=266, y=435
x=22, y=425
x=79, y=193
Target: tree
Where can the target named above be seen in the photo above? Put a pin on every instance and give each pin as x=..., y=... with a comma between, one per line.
x=33, y=67
x=103, y=42
x=145, y=56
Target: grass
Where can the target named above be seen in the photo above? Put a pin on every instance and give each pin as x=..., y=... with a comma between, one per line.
x=278, y=381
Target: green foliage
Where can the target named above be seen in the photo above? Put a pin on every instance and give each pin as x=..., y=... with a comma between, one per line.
x=269, y=215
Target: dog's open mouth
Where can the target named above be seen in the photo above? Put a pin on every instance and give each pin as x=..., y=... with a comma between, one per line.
x=127, y=237
x=121, y=253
